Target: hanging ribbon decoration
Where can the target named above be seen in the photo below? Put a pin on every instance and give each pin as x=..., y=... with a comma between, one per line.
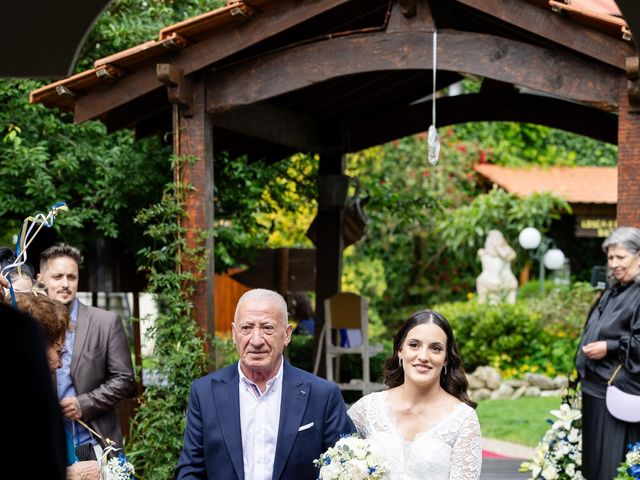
x=433, y=139
x=25, y=237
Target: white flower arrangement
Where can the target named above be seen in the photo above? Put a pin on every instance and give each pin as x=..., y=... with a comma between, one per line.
x=559, y=455
x=352, y=458
x=118, y=468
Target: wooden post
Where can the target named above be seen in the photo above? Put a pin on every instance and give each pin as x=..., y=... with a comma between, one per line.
x=332, y=195
x=193, y=137
x=628, y=212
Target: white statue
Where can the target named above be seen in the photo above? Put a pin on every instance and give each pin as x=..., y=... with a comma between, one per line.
x=496, y=283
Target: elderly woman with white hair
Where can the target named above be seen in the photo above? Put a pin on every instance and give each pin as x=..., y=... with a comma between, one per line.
x=610, y=348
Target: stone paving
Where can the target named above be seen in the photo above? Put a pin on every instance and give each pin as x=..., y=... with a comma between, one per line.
x=506, y=465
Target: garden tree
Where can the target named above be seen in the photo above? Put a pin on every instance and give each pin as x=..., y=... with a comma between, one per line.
x=44, y=158
x=521, y=144
x=106, y=178
x=426, y=223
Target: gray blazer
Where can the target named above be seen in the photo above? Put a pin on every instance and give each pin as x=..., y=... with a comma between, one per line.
x=101, y=369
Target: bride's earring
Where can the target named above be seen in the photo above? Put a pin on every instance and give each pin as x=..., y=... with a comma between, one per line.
x=399, y=362
x=445, y=370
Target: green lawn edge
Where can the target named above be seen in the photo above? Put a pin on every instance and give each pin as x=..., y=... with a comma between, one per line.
x=523, y=421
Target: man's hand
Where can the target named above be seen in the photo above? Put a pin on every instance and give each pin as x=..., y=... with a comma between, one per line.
x=88, y=470
x=71, y=408
x=595, y=350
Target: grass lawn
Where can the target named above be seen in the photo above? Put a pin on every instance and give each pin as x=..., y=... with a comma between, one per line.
x=522, y=421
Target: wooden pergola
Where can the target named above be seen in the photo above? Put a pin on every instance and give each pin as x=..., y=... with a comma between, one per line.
x=268, y=79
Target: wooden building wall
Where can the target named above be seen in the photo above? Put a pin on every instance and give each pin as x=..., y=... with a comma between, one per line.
x=227, y=292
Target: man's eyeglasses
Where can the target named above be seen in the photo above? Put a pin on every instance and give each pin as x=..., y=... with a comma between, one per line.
x=62, y=352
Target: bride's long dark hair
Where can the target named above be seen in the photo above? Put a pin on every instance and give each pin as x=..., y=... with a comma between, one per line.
x=454, y=381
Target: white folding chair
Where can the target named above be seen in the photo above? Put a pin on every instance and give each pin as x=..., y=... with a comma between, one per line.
x=348, y=311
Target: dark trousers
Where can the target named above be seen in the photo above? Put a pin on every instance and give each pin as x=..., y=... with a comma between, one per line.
x=604, y=439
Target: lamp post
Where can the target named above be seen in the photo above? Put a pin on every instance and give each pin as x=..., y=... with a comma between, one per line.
x=553, y=258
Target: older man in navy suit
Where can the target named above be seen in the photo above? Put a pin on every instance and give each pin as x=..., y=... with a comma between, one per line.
x=260, y=418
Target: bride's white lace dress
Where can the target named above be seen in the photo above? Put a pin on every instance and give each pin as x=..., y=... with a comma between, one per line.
x=448, y=450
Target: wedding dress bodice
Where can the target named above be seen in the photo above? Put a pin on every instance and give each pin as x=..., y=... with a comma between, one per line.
x=448, y=450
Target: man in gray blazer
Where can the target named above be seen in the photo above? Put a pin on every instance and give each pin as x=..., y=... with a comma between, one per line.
x=98, y=373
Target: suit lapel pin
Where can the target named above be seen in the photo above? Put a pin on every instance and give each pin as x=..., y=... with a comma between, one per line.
x=302, y=393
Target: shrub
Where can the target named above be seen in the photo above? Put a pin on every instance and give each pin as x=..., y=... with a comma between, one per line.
x=536, y=334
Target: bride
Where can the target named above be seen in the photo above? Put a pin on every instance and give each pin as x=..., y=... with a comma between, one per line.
x=425, y=421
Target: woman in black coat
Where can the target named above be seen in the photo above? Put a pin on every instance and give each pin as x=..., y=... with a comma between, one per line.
x=611, y=338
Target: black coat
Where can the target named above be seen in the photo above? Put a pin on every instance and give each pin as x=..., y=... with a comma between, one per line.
x=616, y=320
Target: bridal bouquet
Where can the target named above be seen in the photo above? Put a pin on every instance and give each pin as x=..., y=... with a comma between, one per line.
x=115, y=467
x=630, y=468
x=559, y=455
x=118, y=468
x=351, y=458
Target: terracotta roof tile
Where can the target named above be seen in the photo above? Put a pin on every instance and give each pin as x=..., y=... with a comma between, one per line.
x=574, y=184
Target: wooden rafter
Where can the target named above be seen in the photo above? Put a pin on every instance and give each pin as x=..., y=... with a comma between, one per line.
x=215, y=47
x=488, y=56
x=280, y=126
x=552, y=26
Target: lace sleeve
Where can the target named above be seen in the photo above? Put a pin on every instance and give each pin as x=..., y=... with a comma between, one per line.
x=358, y=417
x=466, y=456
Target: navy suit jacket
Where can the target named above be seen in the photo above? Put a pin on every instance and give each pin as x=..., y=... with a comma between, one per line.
x=213, y=440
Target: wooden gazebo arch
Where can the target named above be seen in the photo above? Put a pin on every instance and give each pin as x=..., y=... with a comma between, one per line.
x=267, y=79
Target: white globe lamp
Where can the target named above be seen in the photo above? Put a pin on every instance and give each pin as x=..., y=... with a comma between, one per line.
x=530, y=238
x=553, y=259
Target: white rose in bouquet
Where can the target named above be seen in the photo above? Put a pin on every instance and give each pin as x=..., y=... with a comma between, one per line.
x=352, y=458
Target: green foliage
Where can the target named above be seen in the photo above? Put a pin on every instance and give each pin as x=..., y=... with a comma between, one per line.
x=126, y=23
x=427, y=223
x=522, y=421
x=259, y=204
x=179, y=353
x=404, y=206
x=45, y=159
x=521, y=144
x=534, y=335
x=465, y=229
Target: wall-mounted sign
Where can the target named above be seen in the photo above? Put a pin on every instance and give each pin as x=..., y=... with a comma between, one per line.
x=589, y=227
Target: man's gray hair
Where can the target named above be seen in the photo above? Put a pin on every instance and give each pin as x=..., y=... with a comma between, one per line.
x=57, y=251
x=262, y=294
x=627, y=238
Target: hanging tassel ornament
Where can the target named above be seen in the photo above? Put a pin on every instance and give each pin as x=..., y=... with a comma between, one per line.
x=433, y=139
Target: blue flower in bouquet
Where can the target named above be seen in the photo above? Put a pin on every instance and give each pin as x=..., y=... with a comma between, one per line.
x=120, y=468
x=630, y=468
x=117, y=467
x=352, y=458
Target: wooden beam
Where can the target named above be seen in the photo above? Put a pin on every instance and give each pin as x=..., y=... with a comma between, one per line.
x=551, y=26
x=280, y=126
x=136, y=110
x=499, y=107
x=547, y=71
x=192, y=137
x=329, y=246
x=218, y=45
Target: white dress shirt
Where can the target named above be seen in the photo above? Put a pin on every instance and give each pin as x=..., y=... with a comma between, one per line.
x=259, y=423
